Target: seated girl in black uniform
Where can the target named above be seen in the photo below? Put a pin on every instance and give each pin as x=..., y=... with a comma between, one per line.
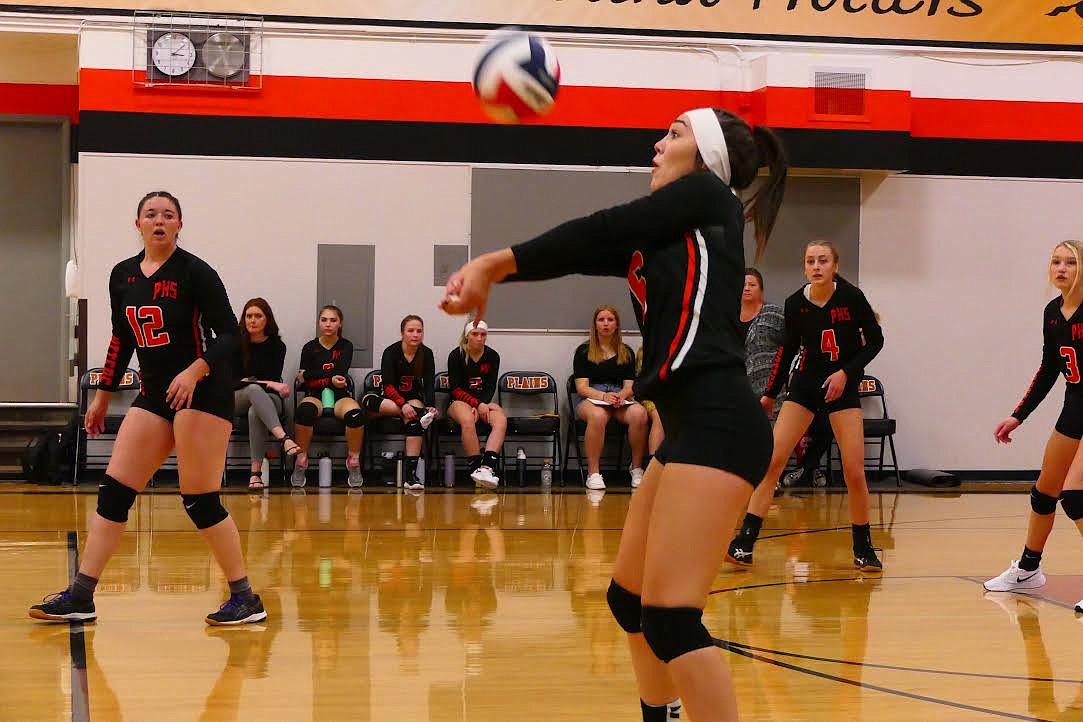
x=325, y=366
x=409, y=373
x=257, y=366
x=604, y=369
x=473, y=369
x=837, y=333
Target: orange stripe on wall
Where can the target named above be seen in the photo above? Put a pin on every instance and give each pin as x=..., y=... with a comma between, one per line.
x=997, y=119
x=796, y=108
x=39, y=99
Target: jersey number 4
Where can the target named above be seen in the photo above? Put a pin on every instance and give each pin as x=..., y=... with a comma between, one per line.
x=828, y=344
x=1070, y=360
x=147, y=323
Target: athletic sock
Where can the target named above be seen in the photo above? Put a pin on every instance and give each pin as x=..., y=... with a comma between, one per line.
x=490, y=459
x=82, y=588
x=750, y=527
x=241, y=588
x=862, y=537
x=1029, y=561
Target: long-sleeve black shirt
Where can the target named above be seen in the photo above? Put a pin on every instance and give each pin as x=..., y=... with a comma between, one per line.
x=320, y=363
x=473, y=382
x=403, y=380
x=681, y=249
x=178, y=314
x=1062, y=349
x=841, y=335
x=265, y=360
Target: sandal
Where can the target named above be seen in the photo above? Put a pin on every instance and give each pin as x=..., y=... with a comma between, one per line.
x=290, y=451
x=255, y=482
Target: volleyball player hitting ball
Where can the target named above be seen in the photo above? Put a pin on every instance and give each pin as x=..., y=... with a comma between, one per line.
x=1062, y=468
x=165, y=304
x=681, y=249
x=838, y=334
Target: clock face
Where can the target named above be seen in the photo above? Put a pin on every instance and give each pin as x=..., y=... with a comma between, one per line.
x=173, y=54
x=223, y=55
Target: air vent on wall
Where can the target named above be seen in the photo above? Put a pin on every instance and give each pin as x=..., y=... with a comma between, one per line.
x=839, y=93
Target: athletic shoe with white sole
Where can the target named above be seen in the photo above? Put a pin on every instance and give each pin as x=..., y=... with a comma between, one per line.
x=637, y=477
x=595, y=481
x=61, y=607
x=297, y=478
x=238, y=611
x=484, y=476
x=1014, y=579
x=354, y=477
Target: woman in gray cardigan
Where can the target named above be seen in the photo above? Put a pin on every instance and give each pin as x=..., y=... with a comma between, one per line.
x=763, y=324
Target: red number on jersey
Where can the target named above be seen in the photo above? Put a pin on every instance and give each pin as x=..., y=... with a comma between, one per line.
x=149, y=333
x=1068, y=354
x=406, y=383
x=828, y=344
x=637, y=283
x=475, y=383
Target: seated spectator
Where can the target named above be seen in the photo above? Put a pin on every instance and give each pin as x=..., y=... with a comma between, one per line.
x=409, y=376
x=325, y=366
x=762, y=324
x=604, y=370
x=473, y=369
x=257, y=369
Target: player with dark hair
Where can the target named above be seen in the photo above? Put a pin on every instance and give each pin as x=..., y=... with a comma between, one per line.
x=681, y=249
x=831, y=324
x=166, y=304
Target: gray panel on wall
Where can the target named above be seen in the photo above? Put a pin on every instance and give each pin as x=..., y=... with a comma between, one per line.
x=32, y=202
x=814, y=209
x=345, y=278
x=446, y=260
x=513, y=205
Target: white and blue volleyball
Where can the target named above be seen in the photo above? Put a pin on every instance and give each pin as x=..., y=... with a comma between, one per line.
x=517, y=76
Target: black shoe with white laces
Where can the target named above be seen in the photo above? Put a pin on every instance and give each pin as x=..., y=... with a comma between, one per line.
x=238, y=610
x=867, y=561
x=740, y=552
x=62, y=607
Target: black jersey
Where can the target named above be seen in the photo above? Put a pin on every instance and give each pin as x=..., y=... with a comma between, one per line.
x=681, y=249
x=1062, y=349
x=176, y=315
x=473, y=382
x=842, y=335
x=321, y=363
x=405, y=380
x=610, y=371
x=264, y=362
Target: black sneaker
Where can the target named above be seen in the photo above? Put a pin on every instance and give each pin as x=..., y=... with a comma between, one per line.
x=867, y=561
x=413, y=484
x=238, y=611
x=740, y=552
x=61, y=607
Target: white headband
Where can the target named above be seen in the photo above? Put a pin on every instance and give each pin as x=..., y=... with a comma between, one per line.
x=472, y=325
x=711, y=141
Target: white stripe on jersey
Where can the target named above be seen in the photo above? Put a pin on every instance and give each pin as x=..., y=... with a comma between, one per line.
x=701, y=291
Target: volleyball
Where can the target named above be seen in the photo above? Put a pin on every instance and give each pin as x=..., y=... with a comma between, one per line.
x=517, y=76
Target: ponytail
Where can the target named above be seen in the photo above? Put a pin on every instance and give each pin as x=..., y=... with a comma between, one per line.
x=762, y=208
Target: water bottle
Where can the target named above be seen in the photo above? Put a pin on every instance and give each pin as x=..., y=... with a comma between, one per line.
x=328, y=398
x=520, y=465
x=265, y=472
x=547, y=472
x=398, y=469
x=421, y=469
x=449, y=470
x=325, y=471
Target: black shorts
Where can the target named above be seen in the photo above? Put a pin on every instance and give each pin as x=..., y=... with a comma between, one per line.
x=212, y=395
x=1070, y=422
x=711, y=418
x=809, y=391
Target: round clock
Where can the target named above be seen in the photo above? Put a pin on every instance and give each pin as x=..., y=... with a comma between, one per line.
x=173, y=54
x=223, y=55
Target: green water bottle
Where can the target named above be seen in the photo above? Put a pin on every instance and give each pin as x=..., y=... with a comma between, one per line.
x=328, y=398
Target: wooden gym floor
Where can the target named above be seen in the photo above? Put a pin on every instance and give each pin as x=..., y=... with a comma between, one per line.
x=453, y=606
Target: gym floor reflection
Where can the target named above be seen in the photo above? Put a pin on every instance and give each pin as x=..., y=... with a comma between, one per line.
x=453, y=606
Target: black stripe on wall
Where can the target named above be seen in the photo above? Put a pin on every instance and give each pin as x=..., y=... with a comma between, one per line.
x=149, y=133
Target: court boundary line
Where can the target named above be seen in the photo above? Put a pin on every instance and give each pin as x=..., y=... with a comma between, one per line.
x=80, y=692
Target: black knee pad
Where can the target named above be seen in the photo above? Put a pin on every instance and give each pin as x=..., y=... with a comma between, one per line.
x=306, y=414
x=205, y=510
x=414, y=427
x=114, y=500
x=674, y=631
x=354, y=419
x=627, y=608
x=1071, y=500
x=1042, y=503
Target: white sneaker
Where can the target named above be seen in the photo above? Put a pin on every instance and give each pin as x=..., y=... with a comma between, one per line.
x=595, y=481
x=637, y=477
x=484, y=476
x=427, y=419
x=1014, y=579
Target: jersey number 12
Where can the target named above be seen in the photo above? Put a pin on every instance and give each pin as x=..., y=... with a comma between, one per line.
x=147, y=323
x=828, y=344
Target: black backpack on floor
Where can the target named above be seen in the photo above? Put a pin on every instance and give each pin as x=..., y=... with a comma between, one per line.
x=50, y=459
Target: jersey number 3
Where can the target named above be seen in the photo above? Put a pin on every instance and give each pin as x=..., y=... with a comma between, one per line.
x=828, y=344
x=1070, y=360
x=147, y=323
